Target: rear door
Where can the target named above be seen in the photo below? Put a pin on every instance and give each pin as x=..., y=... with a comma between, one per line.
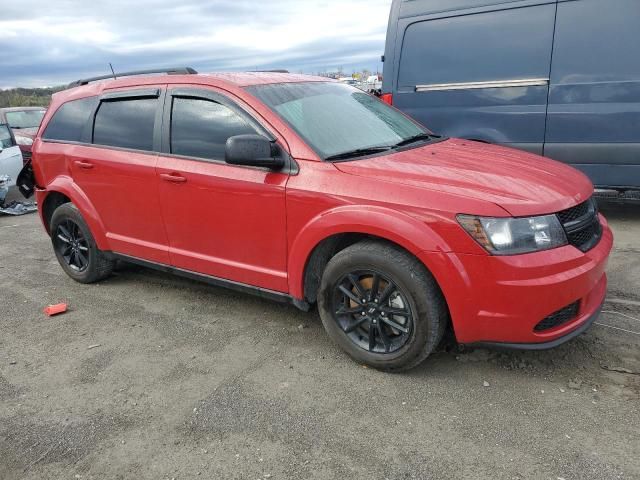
x=480, y=73
x=117, y=171
x=594, y=101
x=223, y=220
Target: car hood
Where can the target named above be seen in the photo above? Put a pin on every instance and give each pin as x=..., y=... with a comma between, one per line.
x=519, y=182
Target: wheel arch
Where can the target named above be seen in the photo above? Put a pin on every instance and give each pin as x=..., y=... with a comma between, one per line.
x=63, y=190
x=330, y=232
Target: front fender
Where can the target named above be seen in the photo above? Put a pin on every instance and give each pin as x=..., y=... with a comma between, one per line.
x=65, y=185
x=392, y=225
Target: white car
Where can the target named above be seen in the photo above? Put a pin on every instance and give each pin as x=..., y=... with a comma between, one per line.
x=10, y=155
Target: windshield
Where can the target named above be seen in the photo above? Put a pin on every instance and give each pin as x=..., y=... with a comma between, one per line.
x=25, y=118
x=334, y=118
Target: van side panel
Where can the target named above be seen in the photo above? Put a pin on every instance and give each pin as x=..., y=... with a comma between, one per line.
x=594, y=100
x=492, y=44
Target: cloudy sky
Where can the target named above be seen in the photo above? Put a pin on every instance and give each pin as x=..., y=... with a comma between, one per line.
x=51, y=42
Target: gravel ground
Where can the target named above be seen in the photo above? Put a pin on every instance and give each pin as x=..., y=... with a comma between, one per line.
x=150, y=376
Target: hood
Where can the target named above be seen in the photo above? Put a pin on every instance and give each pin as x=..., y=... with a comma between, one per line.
x=519, y=182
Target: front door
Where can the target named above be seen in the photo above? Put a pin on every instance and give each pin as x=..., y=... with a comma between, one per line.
x=222, y=220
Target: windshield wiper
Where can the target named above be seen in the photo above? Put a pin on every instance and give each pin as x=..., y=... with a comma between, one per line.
x=416, y=138
x=358, y=152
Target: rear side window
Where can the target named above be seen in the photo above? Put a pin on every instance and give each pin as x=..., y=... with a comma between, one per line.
x=69, y=121
x=126, y=123
x=200, y=128
x=504, y=45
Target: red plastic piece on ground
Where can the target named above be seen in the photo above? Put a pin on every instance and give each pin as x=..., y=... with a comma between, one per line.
x=55, y=309
x=387, y=98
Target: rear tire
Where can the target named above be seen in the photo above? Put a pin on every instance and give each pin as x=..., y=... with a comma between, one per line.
x=75, y=247
x=373, y=286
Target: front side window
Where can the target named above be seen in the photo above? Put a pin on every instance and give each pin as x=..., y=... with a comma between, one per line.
x=25, y=118
x=126, y=123
x=5, y=137
x=200, y=128
x=334, y=118
x=70, y=119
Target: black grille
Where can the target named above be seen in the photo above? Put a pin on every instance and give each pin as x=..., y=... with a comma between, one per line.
x=581, y=225
x=558, y=318
x=574, y=213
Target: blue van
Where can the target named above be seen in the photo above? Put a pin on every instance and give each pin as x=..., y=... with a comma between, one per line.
x=560, y=78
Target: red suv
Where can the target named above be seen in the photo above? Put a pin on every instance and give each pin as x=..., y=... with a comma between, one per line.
x=310, y=191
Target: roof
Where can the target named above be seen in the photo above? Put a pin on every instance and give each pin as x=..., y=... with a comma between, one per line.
x=229, y=80
x=245, y=79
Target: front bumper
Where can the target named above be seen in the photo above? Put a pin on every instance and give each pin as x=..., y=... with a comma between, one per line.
x=584, y=326
x=500, y=300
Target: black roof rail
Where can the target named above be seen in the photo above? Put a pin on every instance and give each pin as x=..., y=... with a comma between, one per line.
x=169, y=71
x=273, y=71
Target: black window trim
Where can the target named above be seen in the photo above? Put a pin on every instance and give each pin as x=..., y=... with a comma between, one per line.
x=291, y=167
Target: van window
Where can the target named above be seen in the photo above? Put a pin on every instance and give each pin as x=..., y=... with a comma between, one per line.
x=504, y=45
x=126, y=123
x=69, y=121
x=200, y=128
x=603, y=49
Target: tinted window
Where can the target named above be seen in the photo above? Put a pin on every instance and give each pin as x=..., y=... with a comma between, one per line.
x=126, y=123
x=200, y=128
x=505, y=45
x=70, y=120
x=334, y=118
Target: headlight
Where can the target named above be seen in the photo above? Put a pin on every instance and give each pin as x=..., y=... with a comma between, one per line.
x=20, y=140
x=511, y=236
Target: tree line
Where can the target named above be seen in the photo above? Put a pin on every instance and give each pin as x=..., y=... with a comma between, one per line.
x=27, y=97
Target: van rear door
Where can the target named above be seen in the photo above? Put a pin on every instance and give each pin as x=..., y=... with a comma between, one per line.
x=594, y=100
x=480, y=73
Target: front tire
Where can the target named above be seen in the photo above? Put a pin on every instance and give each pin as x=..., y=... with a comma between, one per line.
x=75, y=247
x=382, y=306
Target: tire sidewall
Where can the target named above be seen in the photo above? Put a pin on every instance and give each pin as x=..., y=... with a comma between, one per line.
x=408, y=283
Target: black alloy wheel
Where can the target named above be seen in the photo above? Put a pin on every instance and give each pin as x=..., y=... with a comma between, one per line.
x=72, y=245
x=75, y=247
x=372, y=311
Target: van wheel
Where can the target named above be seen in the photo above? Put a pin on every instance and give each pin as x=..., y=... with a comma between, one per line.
x=382, y=306
x=75, y=247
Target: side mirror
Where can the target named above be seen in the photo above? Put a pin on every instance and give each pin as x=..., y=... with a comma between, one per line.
x=252, y=150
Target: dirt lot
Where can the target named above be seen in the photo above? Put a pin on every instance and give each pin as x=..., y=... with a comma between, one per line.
x=152, y=376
